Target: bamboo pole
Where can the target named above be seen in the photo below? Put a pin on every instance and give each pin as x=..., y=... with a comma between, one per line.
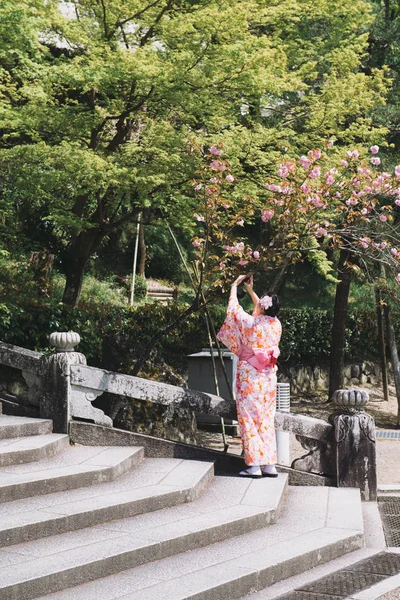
x=135, y=255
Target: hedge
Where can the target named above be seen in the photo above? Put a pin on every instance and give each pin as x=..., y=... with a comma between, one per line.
x=306, y=332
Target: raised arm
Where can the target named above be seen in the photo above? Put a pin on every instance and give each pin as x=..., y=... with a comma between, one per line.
x=238, y=281
x=251, y=292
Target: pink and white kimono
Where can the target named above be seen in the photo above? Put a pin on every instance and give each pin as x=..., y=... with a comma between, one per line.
x=255, y=341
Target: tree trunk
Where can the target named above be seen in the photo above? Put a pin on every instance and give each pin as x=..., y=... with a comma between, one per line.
x=339, y=324
x=391, y=338
x=142, y=247
x=82, y=248
x=381, y=342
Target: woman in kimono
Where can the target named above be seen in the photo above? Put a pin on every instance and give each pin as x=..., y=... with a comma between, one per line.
x=254, y=339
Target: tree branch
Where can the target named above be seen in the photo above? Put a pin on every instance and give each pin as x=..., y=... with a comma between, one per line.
x=104, y=19
x=149, y=33
x=139, y=13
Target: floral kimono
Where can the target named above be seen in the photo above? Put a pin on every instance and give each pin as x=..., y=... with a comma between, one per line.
x=255, y=341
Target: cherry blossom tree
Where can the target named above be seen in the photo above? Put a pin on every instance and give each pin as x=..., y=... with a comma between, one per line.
x=328, y=198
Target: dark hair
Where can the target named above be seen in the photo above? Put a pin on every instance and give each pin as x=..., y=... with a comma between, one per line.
x=273, y=310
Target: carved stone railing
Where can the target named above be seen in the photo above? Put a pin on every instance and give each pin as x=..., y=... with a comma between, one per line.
x=315, y=436
x=60, y=386
x=21, y=378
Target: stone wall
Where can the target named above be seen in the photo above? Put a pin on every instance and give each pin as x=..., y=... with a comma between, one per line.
x=315, y=378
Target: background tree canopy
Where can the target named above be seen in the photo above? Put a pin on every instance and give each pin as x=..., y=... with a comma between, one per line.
x=101, y=102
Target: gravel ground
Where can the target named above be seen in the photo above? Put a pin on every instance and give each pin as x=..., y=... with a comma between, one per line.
x=385, y=414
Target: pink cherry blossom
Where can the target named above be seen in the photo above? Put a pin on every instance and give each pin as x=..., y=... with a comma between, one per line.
x=214, y=150
x=321, y=231
x=364, y=211
x=375, y=160
x=230, y=178
x=214, y=164
x=348, y=202
x=243, y=263
x=225, y=205
x=196, y=243
x=368, y=189
x=266, y=215
x=398, y=276
x=364, y=242
x=305, y=188
x=241, y=222
x=383, y=245
x=329, y=179
x=256, y=254
x=198, y=187
x=314, y=173
x=374, y=149
x=353, y=153
x=222, y=265
x=397, y=171
x=394, y=251
x=397, y=202
x=344, y=163
x=315, y=154
x=383, y=218
x=199, y=218
x=213, y=180
x=222, y=168
x=240, y=246
x=305, y=162
x=283, y=171
x=273, y=187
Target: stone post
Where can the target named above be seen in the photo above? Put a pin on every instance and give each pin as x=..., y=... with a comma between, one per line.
x=55, y=403
x=355, y=445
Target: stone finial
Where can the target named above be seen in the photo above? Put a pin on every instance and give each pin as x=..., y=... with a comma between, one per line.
x=351, y=400
x=64, y=341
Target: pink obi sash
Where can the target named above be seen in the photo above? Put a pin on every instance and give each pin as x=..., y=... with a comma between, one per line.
x=259, y=359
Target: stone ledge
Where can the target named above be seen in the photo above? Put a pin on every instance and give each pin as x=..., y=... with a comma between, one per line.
x=89, y=434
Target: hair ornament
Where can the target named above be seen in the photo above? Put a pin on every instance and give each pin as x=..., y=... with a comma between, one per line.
x=266, y=302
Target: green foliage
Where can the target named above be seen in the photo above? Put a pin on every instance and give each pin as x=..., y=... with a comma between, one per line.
x=100, y=102
x=140, y=287
x=306, y=332
x=163, y=260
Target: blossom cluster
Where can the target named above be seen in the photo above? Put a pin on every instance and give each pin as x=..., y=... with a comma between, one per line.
x=350, y=199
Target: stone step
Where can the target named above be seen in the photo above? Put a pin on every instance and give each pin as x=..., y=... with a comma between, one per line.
x=77, y=467
x=229, y=507
x=156, y=483
x=21, y=450
x=14, y=427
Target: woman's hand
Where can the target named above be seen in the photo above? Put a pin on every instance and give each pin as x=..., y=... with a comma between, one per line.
x=239, y=280
x=249, y=284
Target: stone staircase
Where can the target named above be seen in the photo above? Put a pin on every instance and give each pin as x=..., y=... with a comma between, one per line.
x=88, y=522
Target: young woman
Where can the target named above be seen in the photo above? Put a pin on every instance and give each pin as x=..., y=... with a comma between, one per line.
x=254, y=339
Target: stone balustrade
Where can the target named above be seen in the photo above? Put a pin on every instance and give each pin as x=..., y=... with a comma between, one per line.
x=60, y=386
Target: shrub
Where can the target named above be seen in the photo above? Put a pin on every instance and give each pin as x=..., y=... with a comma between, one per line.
x=306, y=332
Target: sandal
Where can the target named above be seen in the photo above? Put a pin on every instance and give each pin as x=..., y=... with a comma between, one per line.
x=250, y=474
x=266, y=474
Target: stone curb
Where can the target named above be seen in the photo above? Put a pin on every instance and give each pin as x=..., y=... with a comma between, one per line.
x=70, y=477
x=13, y=427
x=33, y=448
